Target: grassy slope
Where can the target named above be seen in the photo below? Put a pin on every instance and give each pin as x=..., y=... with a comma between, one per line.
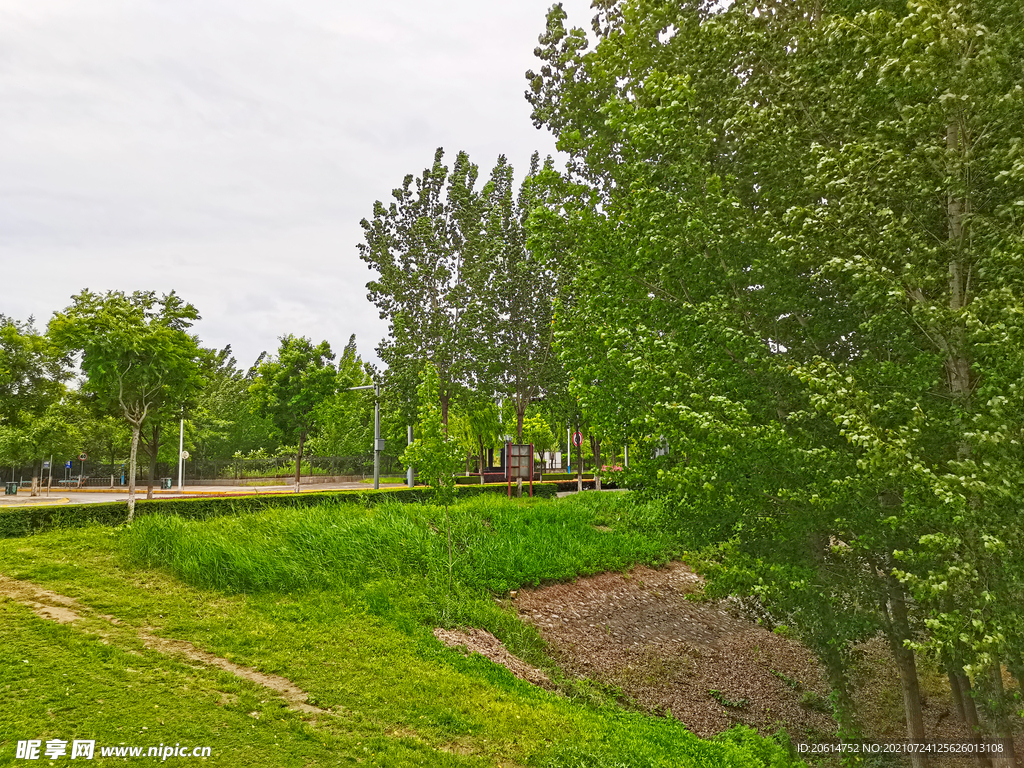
x=341, y=602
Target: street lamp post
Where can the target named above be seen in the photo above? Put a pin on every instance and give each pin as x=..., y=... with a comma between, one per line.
x=181, y=451
x=377, y=442
x=410, y=477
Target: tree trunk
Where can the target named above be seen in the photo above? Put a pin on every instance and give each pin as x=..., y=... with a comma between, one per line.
x=970, y=711
x=839, y=682
x=153, y=449
x=520, y=416
x=833, y=652
x=480, y=440
x=1015, y=666
x=1002, y=730
x=132, y=455
x=958, y=369
x=898, y=629
x=595, y=446
x=956, y=692
x=298, y=460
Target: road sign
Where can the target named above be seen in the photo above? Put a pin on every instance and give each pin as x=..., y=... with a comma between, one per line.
x=83, y=456
x=184, y=454
x=67, y=464
x=577, y=438
x=46, y=465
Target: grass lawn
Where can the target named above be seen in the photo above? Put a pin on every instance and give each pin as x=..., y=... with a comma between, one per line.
x=341, y=601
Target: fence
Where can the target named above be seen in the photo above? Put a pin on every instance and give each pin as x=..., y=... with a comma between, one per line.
x=200, y=471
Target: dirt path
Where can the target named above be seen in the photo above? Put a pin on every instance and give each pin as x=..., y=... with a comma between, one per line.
x=66, y=610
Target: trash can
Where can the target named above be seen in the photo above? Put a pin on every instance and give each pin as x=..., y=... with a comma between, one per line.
x=11, y=489
x=165, y=483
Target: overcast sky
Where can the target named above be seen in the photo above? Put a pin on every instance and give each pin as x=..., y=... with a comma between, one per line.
x=227, y=149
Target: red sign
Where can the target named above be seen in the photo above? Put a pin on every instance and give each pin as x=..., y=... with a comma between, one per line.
x=83, y=456
x=577, y=438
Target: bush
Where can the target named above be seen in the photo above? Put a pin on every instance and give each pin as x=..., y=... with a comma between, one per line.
x=25, y=521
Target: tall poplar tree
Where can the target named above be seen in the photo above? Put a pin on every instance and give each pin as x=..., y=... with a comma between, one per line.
x=516, y=291
x=423, y=246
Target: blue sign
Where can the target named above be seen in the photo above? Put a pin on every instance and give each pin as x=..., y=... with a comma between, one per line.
x=67, y=465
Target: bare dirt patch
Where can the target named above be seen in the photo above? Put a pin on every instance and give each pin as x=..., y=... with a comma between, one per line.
x=44, y=603
x=63, y=609
x=711, y=670
x=488, y=646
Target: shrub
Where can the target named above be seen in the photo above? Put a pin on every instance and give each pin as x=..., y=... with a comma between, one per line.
x=25, y=521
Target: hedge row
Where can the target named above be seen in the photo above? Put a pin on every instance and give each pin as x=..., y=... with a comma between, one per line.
x=24, y=521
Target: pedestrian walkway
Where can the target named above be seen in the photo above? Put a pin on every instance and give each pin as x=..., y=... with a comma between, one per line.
x=101, y=495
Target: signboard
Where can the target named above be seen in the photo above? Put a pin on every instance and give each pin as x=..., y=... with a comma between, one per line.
x=519, y=461
x=577, y=438
x=46, y=465
x=184, y=455
x=83, y=456
x=67, y=464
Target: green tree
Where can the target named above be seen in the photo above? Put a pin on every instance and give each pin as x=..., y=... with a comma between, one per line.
x=436, y=455
x=290, y=387
x=137, y=356
x=104, y=436
x=31, y=372
x=221, y=423
x=799, y=232
x=476, y=424
x=424, y=246
x=345, y=420
x=515, y=291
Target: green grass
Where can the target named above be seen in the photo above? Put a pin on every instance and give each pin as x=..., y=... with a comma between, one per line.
x=340, y=600
x=388, y=480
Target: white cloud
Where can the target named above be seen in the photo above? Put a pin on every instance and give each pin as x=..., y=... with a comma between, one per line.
x=228, y=148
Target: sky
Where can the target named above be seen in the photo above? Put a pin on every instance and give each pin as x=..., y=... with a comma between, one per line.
x=227, y=149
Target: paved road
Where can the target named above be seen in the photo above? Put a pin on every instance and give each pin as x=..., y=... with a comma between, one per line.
x=96, y=496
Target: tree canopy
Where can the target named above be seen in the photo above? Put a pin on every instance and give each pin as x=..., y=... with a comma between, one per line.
x=291, y=385
x=798, y=230
x=137, y=356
